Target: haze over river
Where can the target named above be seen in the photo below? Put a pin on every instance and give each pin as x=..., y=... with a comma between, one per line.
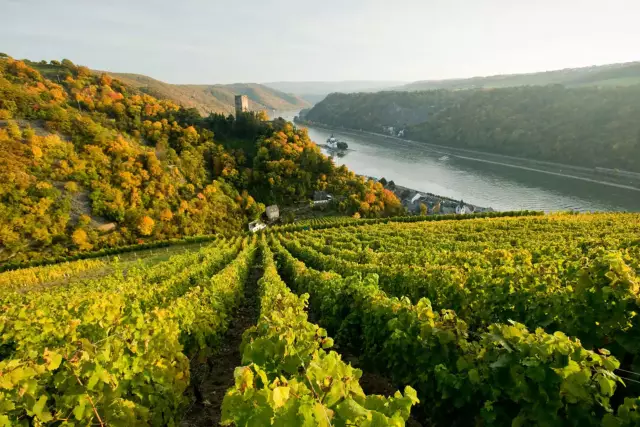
x=481, y=179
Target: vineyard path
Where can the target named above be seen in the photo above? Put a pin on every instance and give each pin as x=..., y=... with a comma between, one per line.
x=212, y=381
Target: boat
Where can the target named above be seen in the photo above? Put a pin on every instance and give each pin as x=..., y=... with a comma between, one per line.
x=444, y=158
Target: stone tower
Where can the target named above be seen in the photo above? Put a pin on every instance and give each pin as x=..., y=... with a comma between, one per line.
x=242, y=104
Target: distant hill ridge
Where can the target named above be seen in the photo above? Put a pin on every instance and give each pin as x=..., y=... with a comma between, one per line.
x=216, y=98
x=621, y=74
x=315, y=91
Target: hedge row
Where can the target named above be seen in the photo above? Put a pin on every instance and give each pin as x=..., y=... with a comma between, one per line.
x=107, y=251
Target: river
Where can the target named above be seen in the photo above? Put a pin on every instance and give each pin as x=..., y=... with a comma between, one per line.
x=483, y=180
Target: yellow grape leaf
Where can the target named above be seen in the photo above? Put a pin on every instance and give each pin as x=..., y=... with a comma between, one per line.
x=280, y=396
x=53, y=359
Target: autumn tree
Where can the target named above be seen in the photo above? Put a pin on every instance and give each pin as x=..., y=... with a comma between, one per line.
x=166, y=215
x=72, y=187
x=80, y=239
x=145, y=226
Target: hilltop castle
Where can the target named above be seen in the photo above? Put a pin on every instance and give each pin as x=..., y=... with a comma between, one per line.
x=242, y=104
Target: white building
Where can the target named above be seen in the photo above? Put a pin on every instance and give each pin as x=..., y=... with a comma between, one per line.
x=464, y=209
x=255, y=226
x=273, y=213
x=321, y=197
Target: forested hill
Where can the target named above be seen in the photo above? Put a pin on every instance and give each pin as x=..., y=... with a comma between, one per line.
x=623, y=74
x=217, y=98
x=594, y=127
x=89, y=162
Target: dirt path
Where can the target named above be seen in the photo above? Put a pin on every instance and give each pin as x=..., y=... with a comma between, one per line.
x=212, y=379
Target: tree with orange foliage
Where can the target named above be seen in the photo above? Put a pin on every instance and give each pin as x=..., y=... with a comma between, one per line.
x=145, y=225
x=166, y=215
x=105, y=79
x=80, y=239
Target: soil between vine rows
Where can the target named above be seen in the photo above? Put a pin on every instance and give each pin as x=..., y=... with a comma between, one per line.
x=211, y=380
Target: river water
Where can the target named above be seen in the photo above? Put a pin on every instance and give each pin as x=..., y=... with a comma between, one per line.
x=483, y=180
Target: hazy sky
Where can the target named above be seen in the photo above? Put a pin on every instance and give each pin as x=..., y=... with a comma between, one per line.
x=224, y=41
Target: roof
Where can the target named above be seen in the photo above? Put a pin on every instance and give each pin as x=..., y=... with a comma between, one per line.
x=321, y=195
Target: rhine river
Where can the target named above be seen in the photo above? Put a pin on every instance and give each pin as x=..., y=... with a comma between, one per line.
x=480, y=178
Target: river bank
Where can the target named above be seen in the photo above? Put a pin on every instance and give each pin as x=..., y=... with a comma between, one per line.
x=609, y=177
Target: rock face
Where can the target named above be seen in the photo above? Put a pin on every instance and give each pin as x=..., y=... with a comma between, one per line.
x=105, y=228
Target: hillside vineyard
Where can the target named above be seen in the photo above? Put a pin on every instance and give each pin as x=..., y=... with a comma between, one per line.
x=506, y=320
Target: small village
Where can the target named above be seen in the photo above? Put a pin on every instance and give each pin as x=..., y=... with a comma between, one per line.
x=424, y=203
x=414, y=202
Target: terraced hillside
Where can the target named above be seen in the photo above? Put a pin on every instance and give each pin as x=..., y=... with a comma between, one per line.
x=496, y=320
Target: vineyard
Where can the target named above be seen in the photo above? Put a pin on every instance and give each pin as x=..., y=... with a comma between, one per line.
x=501, y=320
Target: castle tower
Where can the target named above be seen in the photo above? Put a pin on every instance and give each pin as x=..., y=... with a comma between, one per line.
x=242, y=104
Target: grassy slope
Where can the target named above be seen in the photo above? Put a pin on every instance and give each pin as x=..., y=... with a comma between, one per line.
x=624, y=74
x=214, y=98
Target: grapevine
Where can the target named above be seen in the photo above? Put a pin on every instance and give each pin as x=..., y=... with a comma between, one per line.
x=496, y=319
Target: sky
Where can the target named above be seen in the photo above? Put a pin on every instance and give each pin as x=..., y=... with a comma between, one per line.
x=227, y=41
